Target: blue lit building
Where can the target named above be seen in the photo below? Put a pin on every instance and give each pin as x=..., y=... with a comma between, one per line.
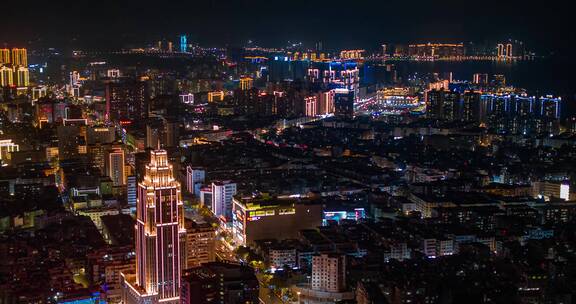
x=183, y=44
x=521, y=114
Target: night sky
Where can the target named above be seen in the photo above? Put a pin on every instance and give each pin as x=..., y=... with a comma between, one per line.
x=338, y=24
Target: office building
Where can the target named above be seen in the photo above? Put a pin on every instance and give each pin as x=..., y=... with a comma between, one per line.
x=195, y=177
x=219, y=282
x=131, y=190
x=115, y=167
x=100, y=134
x=222, y=193
x=160, y=237
x=258, y=218
x=200, y=243
x=550, y=189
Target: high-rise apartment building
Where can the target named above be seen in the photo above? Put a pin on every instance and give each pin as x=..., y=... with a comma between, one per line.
x=329, y=272
x=22, y=77
x=126, y=99
x=472, y=109
x=4, y=56
x=160, y=237
x=19, y=57
x=6, y=76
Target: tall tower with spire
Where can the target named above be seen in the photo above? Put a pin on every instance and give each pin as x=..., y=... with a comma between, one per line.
x=160, y=237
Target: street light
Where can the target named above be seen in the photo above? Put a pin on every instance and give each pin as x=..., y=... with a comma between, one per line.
x=298, y=293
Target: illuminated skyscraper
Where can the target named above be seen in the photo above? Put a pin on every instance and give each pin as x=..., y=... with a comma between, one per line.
x=160, y=237
x=501, y=51
x=6, y=77
x=19, y=57
x=4, y=56
x=509, y=53
x=183, y=44
x=22, y=77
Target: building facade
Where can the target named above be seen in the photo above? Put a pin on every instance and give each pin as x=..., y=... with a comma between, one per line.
x=160, y=237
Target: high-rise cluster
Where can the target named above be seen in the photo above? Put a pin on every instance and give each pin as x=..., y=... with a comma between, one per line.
x=14, y=68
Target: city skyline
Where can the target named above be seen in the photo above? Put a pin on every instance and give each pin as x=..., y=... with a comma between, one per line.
x=115, y=24
x=267, y=152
